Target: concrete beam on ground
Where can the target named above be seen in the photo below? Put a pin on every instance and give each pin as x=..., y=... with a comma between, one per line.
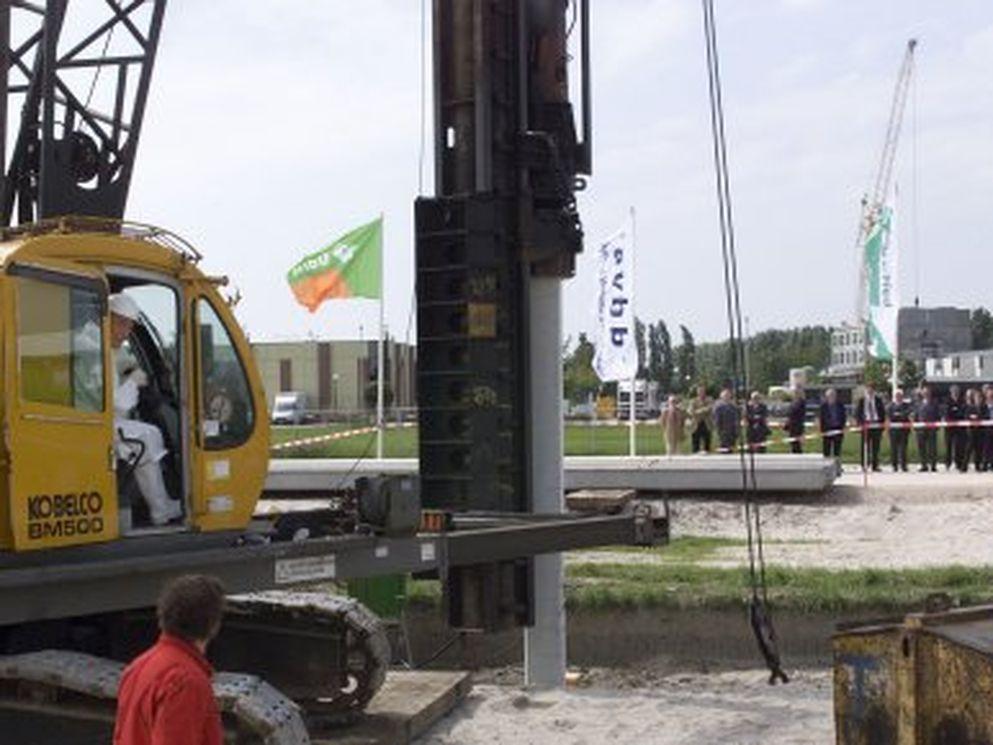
x=685, y=474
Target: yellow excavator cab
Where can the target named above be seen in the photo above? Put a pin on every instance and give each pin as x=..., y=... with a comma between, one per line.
x=69, y=460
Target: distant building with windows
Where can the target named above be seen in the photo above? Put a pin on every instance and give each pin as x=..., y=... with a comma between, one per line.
x=336, y=375
x=847, y=350
x=922, y=333
x=965, y=368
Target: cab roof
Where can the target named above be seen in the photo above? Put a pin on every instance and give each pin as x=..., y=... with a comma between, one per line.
x=97, y=241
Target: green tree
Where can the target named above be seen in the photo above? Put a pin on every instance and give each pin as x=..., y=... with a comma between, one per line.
x=878, y=373
x=686, y=359
x=981, y=322
x=579, y=379
x=910, y=375
x=640, y=343
x=666, y=369
x=654, y=353
x=771, y=354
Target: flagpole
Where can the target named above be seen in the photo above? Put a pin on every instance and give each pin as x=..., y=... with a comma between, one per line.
x=379, y=346
x=632, y=424
x=894, y=244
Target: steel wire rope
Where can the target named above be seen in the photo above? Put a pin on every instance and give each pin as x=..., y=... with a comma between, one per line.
x=914, y=176
x=421, y=153
x=759, y=616
x=362, y=456
x=420, y=190
x=96, y=73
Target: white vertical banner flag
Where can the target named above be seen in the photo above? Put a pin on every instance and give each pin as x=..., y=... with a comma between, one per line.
x=616, y=352
x=883, y=286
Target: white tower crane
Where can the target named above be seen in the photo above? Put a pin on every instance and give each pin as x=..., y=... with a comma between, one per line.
x=874, y=200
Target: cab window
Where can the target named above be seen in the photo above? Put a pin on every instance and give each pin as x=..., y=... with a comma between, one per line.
x=60, y=344
x=160, y=319
x=226, y=401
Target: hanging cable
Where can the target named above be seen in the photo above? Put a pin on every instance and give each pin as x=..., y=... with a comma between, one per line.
x=421, y=150
x=760, y=619
x=422, y=147
x=915, y=229
x=96, y=73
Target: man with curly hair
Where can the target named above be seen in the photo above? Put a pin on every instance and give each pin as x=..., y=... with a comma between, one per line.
x=166, y=696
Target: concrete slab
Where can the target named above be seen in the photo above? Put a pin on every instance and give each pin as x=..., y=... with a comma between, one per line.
x=408, y=704
x=681, y=474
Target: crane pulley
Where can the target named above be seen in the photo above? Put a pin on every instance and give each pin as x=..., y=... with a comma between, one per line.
x=75, y=146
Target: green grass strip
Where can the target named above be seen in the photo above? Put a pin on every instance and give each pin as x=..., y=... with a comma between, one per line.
x=578, y=440
x=593, y=586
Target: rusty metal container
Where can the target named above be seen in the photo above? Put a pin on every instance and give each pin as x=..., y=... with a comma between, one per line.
x=924, y=680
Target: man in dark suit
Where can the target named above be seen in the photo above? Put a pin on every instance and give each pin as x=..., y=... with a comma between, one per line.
x=795, y=419
x=928, y=414
x=726, y=420
x=870, y=414
x=899, y=412
x=955, y=435
x=832, y=418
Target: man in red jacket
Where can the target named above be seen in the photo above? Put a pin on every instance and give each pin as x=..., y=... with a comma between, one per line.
x=166, y=697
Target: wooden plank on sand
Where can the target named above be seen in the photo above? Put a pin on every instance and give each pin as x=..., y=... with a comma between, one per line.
x=407, y=705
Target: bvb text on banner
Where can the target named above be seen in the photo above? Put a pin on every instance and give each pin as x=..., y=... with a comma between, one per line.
x=616, y=352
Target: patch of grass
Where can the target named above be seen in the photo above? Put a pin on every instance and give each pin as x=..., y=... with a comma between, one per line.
x=695, y=548
x=424, y=592
x=397, y=443
x=578, y=440
x=803, y=590
x=682, y=549
x=282, y=433
x=687, y=586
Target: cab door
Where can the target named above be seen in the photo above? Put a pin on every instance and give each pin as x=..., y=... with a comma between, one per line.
x=59, y=433
x=232, y=433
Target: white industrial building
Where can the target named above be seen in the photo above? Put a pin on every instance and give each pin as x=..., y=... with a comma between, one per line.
x=961, y=367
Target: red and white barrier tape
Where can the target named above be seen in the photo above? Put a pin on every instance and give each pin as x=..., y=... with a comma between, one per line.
x=345, y=434
x=943, y=424
x=332, y=436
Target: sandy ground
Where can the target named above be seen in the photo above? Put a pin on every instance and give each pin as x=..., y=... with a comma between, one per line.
x=731, y=707
x=898, y=520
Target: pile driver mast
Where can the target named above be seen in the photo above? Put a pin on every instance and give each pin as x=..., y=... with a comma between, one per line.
x=508, y=162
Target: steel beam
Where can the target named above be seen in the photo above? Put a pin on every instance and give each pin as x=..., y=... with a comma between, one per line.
x=129, y=574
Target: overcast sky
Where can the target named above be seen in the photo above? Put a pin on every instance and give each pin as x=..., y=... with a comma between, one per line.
x=275, y=125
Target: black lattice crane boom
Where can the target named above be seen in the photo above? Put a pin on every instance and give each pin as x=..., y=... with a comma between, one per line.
x=82, y=96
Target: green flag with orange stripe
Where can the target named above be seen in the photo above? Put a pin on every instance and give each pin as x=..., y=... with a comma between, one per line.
x=349, y=267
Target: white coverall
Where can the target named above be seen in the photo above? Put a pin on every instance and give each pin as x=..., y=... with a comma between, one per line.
x=148, y=472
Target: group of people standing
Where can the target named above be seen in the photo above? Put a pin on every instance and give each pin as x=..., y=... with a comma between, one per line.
x=967, y=440
x=705, y=417
x=967, y=420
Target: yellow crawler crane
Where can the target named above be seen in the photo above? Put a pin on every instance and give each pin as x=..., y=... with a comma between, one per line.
x=87, y=539
x=81, y=559
x=67, y=482
x=61, y=482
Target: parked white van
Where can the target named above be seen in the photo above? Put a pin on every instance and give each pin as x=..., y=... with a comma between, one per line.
x=290, y=408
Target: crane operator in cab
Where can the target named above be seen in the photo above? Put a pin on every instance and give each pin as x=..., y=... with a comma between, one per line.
x=124, y=314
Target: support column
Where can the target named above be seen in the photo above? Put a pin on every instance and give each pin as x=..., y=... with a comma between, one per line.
x=545, y=642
